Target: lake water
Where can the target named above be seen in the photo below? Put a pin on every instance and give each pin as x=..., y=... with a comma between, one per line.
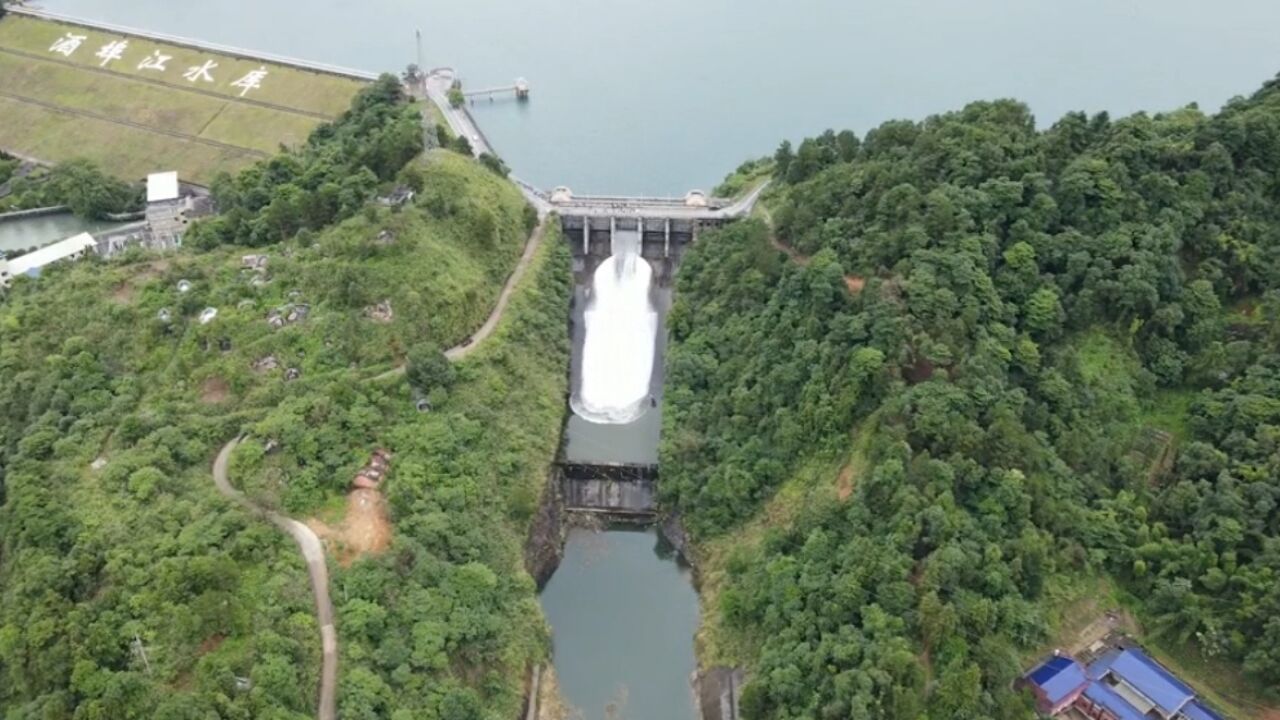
x=33, y=232
x=659, y=96
x=623, y=614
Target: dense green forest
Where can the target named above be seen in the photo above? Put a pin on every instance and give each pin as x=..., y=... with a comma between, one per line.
x=130, y=589
x=998, y=333
x=78, y=184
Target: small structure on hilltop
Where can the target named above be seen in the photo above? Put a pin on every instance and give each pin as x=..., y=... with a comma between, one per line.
x=397, y=197
x=380, y=312
x=32, y=263
x=257, y=263
x=264, y=364
x=1120, y=683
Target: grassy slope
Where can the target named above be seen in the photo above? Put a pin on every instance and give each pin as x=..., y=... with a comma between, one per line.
x=156, y=376
x=163, y=100
x=291, y=87
x=472, y=470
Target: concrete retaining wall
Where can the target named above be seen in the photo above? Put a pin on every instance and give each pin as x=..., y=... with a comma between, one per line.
x=34, y=212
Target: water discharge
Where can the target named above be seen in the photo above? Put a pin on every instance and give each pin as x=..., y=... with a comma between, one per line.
x=621, y=324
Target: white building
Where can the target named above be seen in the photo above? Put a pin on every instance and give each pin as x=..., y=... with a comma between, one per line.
x=166, y=210
x=31, y=263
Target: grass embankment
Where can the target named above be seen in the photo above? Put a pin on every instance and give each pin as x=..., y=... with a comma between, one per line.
x=133, y=120
x=143, y=541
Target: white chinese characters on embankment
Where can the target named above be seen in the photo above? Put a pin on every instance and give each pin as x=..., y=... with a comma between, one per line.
x=114, y=51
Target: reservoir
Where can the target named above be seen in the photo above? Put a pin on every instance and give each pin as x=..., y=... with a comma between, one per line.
x=661, y=96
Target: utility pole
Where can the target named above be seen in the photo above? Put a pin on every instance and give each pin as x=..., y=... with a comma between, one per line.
x=422, y=69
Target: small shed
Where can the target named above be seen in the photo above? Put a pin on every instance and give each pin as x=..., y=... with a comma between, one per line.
x=1056, y=683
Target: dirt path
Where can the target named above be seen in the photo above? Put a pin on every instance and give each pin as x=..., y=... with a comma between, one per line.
x=313, y=553
x=854, y=283
x=309, y=543
x=468, y=346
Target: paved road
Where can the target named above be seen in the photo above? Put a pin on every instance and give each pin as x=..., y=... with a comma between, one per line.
x=313, y=553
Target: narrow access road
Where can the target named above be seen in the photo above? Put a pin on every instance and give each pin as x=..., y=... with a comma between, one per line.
x=308, y=542
x=313, y=553
x=468, y=346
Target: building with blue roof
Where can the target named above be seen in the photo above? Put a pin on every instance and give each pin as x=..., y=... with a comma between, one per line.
x=1056, y=683
x=1122, y=684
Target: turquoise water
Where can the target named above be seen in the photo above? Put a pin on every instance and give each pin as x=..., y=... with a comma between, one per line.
x=664, y=95
x=29, y=233
x=623, y=615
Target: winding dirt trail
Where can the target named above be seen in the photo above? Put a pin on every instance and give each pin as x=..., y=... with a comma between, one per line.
x=308, y=542
x=313, y=553
x=468, y=346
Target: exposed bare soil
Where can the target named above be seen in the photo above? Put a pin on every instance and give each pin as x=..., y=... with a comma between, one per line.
x=214, y=390
x=365, y=527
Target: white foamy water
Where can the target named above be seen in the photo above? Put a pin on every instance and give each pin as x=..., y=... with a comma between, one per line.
x=621, y=327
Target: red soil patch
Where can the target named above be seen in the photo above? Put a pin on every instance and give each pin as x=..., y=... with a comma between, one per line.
x=214, y=390
x=854, y=283
x=919, y=372
x=365, y=527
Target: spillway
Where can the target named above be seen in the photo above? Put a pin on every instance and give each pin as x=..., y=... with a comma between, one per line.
x=621, y=325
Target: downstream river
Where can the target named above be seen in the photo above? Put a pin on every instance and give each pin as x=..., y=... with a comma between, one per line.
x=662, y=96
x=624, y=614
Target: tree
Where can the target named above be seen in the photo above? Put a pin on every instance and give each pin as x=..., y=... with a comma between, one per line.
x=428, y=369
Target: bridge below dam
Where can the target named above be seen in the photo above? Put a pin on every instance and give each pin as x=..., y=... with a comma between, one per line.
x=619, y=491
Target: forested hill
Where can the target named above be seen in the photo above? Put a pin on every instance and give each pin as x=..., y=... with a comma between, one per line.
x=130, y=589
x=1000, y=334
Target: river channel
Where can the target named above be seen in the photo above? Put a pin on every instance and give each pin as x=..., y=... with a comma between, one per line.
x=624, y=613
